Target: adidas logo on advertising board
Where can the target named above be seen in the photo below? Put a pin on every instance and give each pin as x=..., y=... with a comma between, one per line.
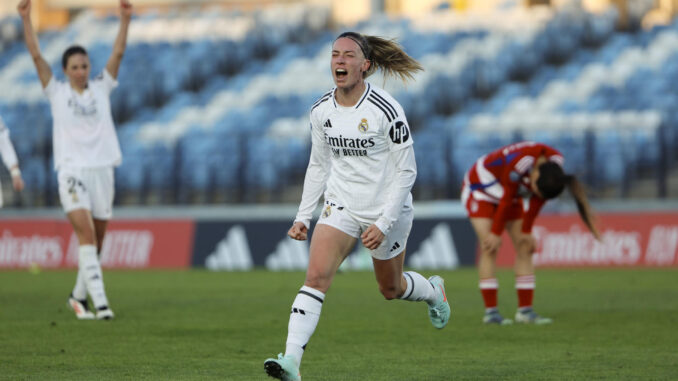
x=289, y=254
x=232, y=252
x=437, y=251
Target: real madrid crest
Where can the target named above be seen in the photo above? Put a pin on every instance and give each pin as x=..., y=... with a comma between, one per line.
x=362, y=127
x=327, y=211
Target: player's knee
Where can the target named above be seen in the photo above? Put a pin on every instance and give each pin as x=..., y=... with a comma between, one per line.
x=524, y=252
x=318, y=282
x=491, y=254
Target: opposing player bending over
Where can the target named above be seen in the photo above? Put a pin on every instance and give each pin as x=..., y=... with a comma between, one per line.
x=86, y=149
x=10, y=159
x=362, y=158
x=493, y=193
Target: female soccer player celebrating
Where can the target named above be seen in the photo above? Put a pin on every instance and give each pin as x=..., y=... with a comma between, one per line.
x=86, y=149
x=493, y=193
x=362, y=158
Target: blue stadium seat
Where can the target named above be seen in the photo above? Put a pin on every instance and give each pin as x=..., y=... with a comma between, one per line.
x=232, y=149
x=34, y=173
x=430, y=147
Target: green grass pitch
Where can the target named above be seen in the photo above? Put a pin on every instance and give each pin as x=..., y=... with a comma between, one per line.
x=199, y=325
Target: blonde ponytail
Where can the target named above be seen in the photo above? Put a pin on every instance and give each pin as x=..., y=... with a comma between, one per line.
x=390, y=57
x=386, y=55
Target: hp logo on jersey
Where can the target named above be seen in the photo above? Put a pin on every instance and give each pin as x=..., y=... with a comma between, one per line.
x=399, y=133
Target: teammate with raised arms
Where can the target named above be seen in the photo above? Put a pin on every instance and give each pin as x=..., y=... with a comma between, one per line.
x=506, y=189
x=362, y=159
x=86, y=150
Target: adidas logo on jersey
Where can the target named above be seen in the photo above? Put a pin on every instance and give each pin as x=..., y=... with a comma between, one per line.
x=397, y=245
x=328, y=124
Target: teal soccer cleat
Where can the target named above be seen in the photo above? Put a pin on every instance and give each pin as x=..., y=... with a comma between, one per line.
x=439, y=311
x=283, y=368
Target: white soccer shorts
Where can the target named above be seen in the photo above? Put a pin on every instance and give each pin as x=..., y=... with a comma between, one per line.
x=87, y=188
x=395, y=241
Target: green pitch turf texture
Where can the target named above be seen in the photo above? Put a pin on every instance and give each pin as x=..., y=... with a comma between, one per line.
x=199, y=325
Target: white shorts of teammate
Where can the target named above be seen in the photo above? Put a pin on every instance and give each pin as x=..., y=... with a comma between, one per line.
x=87, y=188
x=395, y=241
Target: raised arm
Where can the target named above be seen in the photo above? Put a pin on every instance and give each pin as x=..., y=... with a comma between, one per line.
x=31, y=39
x=120, y=43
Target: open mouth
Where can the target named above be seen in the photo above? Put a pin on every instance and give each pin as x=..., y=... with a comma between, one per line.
x=340, y=73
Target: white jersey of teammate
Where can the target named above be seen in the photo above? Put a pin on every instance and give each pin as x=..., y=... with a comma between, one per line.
x=355, y=154
x=84, y=134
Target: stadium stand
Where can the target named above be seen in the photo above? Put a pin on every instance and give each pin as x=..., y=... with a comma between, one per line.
x=214, y=111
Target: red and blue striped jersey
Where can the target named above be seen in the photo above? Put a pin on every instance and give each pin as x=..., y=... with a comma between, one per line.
x=503, y=177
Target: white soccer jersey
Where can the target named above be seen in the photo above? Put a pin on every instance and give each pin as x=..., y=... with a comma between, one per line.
x=83, y=133
x=6, y=147
x=363, y=155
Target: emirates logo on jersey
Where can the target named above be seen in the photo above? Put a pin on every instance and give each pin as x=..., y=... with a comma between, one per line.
x=349, y=146
x=363, y=126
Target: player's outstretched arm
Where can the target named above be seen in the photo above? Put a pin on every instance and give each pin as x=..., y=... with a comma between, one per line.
x=120, y=43
x=31, y=39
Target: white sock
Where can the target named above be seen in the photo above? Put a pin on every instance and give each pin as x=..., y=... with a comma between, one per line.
x=80, y=289
x=303, y=320
x=418, y=288
x=94, y=278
